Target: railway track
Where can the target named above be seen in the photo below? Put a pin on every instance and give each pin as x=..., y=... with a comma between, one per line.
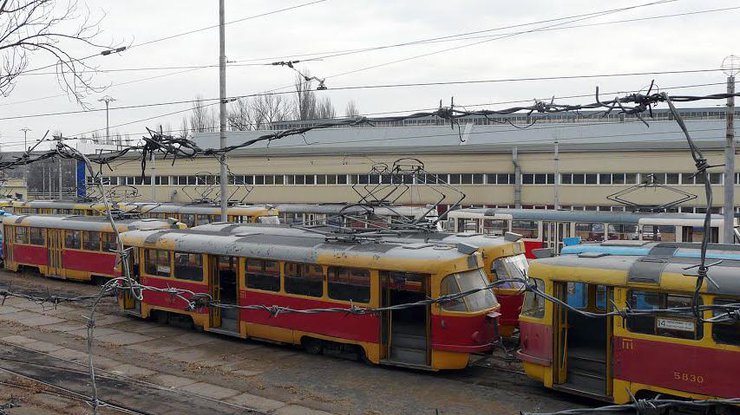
x=123, y=394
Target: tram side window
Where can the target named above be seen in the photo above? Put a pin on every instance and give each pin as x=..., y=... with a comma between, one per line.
x=109, y=241
x=623, y=232
x=188, y=266
x=349, y=284
x=726, y=333
x=157, y=262
x=664, y=233
x=72, y=239
x=188, y=219
x=304, y=279
x=590, y=232
x=21, y=235
x=534, y=304
x=526, y=228
x=495, y=226
x=682, y=326
x=37, y=236
x=91, y=240
x=468, y=281
x=263, y=275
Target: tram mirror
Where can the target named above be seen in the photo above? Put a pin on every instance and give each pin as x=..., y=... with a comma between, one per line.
x=512, y=237
x=542, y=253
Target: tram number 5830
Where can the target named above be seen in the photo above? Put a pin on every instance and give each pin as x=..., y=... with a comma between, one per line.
x=688, y=377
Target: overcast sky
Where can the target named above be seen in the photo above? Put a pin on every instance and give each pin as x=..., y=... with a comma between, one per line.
x=698, y=41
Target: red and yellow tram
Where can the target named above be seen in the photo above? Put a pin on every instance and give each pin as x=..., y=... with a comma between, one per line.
x=69, y=247
x=613, y=357
x=503, y=258
x=262, y=267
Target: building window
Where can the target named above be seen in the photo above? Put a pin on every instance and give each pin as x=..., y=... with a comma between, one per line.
x=477, y=178
x=304, y=279
x=262, y=275
x=527, y=178
x=188, y=266
x=566, y=178
x=331, y=179
x=259, y=180
x=579, y=178
x=279, y=179
x=341, y=179
x=592, y=179
x=349, y=284
x=605, y=179
x=320, y=179
x=310, y=179
x=157, y=262
x=672, y=178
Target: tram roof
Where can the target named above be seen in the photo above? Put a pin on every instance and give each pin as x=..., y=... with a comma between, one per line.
x=583, y=216
x=264, y=244
x=57, y=204
x=86, y=223
x=353, y=209
x=202, y=209
x=476, y=240
x=676, y=272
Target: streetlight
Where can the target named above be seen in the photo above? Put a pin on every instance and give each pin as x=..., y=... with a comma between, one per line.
x=107, y=99
x=731, y=67
x=25, y=137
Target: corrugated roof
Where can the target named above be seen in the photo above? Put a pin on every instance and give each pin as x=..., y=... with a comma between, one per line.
x=576, y=136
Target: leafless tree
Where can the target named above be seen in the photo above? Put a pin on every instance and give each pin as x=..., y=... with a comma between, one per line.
x=241, y=116
x=96, y=137
x=269, y=108
x=54, y=28
x=201, y=118
x=184, y=127
x=325, y=109
x=351, y=111
x=305, y=104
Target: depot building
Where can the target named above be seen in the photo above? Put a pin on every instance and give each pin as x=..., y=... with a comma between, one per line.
x=574, y=161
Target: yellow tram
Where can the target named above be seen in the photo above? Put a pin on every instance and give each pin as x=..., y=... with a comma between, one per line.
x=613, y=357
x=262, y=267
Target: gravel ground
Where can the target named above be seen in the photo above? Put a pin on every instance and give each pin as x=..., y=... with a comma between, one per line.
x=161, y=369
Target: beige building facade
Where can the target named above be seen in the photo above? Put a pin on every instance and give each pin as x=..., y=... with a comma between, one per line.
x=492, y=165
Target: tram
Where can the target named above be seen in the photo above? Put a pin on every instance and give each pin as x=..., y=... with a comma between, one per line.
x=615, y=357
x=550, y=228
x=67, y=247
x=58, y=207
x=199, y=214
x=264, y=267
x=503, y=258
x=354, y=216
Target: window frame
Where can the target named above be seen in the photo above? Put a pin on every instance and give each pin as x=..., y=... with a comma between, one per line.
x=331, y=278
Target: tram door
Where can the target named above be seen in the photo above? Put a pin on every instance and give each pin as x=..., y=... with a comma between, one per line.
x=583, y=344
x=224, y=289
x=56, y=245
x=553, y=234
x=130, y=303
x=405, y=332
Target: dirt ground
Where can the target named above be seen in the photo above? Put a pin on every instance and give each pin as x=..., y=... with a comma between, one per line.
x=144, y=367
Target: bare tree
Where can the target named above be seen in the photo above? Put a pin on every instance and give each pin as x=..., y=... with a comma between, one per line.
x=96, y=137
x=241, y=117
x=201, y=119
x=53, y=28
x=351, y=111
x=325, y=109
x=305, y=105
x=184, y=127
x=269, y=108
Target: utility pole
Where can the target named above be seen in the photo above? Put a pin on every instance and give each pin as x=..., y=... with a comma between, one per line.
x=107, y=99
x=222, y=104
x=25, y=137
x=731, y=66
x=556, y=184
x=25, y=148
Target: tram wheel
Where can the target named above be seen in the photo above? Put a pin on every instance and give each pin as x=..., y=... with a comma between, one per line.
x=312, y=346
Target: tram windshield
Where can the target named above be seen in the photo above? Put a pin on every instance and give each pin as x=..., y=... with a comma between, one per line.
x=466, y=281
x=510, y=267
